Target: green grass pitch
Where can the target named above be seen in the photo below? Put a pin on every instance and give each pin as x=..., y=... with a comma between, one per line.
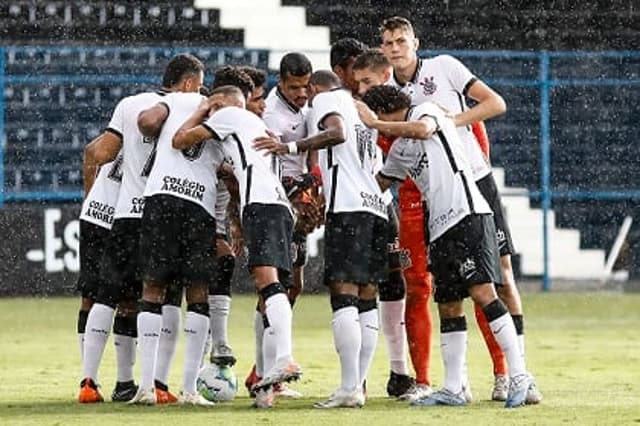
x=583, y=348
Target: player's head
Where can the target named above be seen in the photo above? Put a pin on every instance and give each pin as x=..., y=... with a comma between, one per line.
x=233, y=76
x=323, y=81
x=184, y=73
x=371, y=68
x=255, y=102
x=399, y=42
x=343, y=55
x=224, y=96
x=295, y=71
x=388, y=102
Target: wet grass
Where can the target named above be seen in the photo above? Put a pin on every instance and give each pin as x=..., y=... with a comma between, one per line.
x=583, y=348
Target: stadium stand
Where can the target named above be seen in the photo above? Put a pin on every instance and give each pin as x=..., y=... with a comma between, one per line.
x=592, y=143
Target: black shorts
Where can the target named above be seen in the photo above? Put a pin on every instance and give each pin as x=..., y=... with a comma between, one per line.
x=355, y=248
x=488, y=188
x=465, y=255
x=268, y=234
x=178, y=241
x=92, y=242
x=121, y=263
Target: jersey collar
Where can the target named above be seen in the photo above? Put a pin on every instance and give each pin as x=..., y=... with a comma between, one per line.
x=414, y=77
x=293, y=107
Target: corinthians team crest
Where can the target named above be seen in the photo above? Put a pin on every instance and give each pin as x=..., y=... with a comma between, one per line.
x=467, y=268
x=428, y=86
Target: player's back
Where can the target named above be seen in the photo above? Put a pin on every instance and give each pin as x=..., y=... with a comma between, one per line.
x=258, y=175
x=189, y=173
x=137, y=150
x=347, y=168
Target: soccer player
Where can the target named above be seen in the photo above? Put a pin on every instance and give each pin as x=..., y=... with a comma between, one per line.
x=121, y=261
x=267, y=218
x=96, y=219
x=284, y=115
x=370, y=69
x=447, y=82
x=463, y=252
x=392, y=291
x=355, y=229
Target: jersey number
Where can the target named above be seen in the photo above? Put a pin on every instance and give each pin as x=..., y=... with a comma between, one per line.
x=364, y=143
x=115, y=173
x=148, y=165
x=194, y=152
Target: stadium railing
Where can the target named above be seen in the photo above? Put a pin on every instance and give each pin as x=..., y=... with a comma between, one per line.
x=90, y=80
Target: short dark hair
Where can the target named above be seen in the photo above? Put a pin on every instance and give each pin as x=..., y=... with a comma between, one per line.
x=257, y=76
x=232, y=76
x=294, y=64
x=371, y=58
x=386, y=99
x=227, y=90
x=325, y=78
x=179, y=67
x=345, y=49
x=396, y=23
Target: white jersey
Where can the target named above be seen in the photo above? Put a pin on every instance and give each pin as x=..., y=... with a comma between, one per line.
x=440, y=170
x=257, y=173
x=444, y=81
x=347, y=168
x=138, y=152
x=287, y=121
x=100, y=203
x=189, y=174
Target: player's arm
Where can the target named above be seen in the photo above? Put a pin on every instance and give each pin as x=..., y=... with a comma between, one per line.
x=490, y=104
x=151, y=120
x=233, y=208
x=333, y=134
x=193, y=131
x=99, y=151
x=423, y=128
x=385, y=182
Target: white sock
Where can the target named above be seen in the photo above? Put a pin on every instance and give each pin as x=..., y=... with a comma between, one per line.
x=453, y=346
x=219, y=307
x=125, y=356
x=347, y=338
x=196, y=328
x=279, y=313
x=149, y=329
x=96, y=334
x=505, y=333
x=395, y=332
x=369, y=329
x=258, y=328
x=208, y=345
x=168, y=342
x=521, y=344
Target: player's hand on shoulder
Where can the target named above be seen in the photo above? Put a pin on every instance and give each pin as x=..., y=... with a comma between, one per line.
x=367, y=116
x=271, y=144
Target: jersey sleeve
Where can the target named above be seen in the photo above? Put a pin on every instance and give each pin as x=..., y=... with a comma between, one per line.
x=399, y=160
x=324, y=105
x=427, y=109
x=459, y=75
x=116, y=124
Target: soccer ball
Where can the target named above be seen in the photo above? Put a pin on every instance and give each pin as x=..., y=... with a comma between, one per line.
x=216, y=383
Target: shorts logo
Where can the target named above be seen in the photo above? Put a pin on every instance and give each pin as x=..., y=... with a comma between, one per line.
x=428, y=86
x=405, y=259
x=500, y=236
x=467, y=268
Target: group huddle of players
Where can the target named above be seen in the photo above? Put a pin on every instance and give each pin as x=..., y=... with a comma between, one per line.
x=185, y=179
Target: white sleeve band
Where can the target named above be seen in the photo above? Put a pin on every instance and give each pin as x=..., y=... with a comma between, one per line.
x=293, y=147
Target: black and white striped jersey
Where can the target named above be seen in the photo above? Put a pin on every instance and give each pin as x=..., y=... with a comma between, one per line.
x=190, y=173
x=445, y=81
x=440, y=170
x=348, y=168
x=258, y=174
